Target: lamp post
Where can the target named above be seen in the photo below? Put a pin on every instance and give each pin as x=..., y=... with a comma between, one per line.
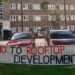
x=65, y=12
x=16, y=19
x=21, y=15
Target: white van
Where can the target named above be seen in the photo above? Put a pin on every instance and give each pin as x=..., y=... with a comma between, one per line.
x=61, y=37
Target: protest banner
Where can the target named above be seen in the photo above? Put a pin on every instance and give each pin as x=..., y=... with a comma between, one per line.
x=48, y=55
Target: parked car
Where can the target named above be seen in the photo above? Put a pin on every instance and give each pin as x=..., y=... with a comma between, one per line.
x=20, y=39
x=62, y=38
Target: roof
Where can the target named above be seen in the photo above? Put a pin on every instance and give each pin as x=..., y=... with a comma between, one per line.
x=58, y=30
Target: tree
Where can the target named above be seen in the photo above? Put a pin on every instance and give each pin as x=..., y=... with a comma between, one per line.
x=5, y=0
x=0, y=2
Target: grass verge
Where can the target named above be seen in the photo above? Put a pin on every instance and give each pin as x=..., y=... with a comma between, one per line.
x=14, y=69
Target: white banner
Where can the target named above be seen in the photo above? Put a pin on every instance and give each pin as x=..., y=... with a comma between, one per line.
x=52, y=55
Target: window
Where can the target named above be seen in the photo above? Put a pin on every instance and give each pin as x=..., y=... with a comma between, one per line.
x=18, y=6
x=37, y=18
x=13, y=6
x=18, y=36
x=36, y=6
x=52, y=18
x=67, y=7
x=72, y=7
x=62, y=35
x=67, y=17
x=25, y=18
x=51, y=6
x=25, y=6
x=72, y=17
x=19, y=18
x=63, y=27
x=61, y=7
x=72, y=27
x=49, y=18
x=13, y=29
x=13, y=18
x=62, y=17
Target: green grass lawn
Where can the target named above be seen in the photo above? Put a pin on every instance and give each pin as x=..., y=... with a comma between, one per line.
x=11, y=69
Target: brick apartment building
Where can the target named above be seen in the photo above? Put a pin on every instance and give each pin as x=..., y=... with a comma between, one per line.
x=41, y=13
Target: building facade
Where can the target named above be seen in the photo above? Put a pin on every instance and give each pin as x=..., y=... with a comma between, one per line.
x=4, y=21
x=54, y=14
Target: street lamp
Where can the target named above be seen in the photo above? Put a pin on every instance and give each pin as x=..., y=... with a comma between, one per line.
x=17, y=18
x=21, y=15
x=65, y=12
